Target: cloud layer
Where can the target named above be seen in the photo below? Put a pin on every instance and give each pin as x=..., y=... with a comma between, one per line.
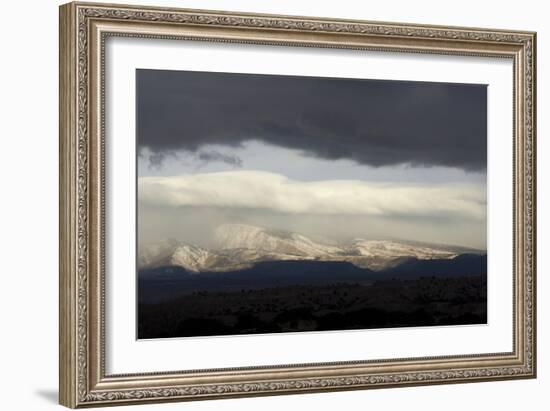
x=274, y=192
x=371, y=122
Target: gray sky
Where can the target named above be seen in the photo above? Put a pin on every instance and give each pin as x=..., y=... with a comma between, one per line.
x=330, y=158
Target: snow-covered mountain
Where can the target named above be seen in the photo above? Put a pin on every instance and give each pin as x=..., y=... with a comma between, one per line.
x=240, y=246
x=230, y=236
x=380, y=254
x=193, y=258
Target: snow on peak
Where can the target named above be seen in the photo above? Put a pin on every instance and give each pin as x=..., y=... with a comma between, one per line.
x=392, y=249
x=191, y=257
x=231, y=236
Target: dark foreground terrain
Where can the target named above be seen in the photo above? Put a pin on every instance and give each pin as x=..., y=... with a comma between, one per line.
x=309, y=297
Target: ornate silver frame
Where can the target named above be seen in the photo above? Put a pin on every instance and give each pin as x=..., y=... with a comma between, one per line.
x=83, y=30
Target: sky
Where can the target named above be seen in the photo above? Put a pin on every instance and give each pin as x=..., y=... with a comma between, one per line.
x=332, y=158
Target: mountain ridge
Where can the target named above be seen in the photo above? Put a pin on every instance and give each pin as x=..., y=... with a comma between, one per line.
x=241, y=246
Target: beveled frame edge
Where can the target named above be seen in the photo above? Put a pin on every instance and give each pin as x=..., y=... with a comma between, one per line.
x=83, y=28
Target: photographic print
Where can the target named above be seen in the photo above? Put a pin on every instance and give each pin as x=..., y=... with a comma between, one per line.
x=274, y=203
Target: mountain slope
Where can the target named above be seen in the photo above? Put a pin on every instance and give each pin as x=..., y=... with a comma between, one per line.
x=163, y=283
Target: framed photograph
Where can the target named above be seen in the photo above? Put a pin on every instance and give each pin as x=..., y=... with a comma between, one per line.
x=259, y=204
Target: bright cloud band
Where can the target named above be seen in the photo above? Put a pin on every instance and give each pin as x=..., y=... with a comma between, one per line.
x=270, y=191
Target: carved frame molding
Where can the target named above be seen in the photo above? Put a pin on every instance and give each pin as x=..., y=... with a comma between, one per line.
x=84, y=27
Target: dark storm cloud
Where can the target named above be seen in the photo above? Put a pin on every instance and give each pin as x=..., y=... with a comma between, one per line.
x=372, y=122
x=213, y=155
